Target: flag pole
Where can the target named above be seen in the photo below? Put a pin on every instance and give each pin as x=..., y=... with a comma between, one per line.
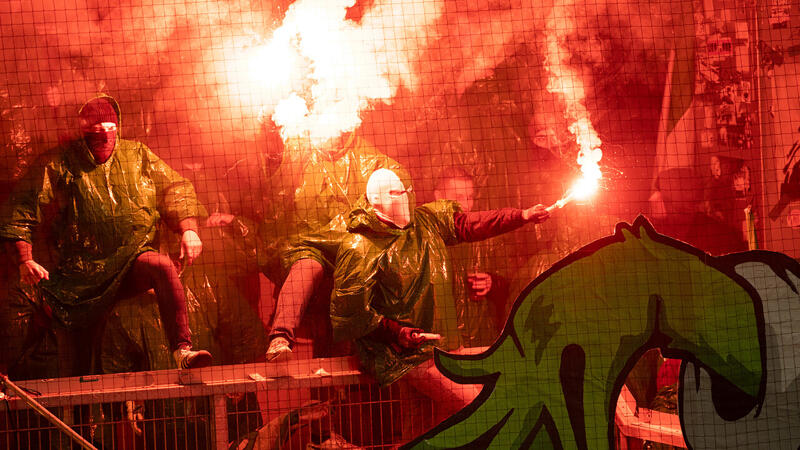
x=661, y=138
x=36, y=406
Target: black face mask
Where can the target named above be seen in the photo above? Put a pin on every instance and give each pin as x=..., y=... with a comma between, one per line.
x=101, y=144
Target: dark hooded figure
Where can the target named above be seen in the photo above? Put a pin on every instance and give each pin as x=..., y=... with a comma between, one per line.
x=107, y=196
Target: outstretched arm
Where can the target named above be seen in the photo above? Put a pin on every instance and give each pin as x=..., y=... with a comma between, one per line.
x=480, y=225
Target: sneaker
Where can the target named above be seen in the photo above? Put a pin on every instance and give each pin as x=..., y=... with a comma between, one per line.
x=186, y=358
x=279, y=349
x=334, y=442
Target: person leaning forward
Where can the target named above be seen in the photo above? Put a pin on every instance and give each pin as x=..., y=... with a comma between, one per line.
x=107, y=195
x=392, y=288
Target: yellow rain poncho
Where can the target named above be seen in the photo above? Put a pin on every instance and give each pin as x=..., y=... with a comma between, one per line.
x=104, y=216
x=400, y=274
x=318, y=197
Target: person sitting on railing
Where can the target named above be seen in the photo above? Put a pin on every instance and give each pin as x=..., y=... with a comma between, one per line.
x=107, y=195
x=333, y=178
x=392, y=287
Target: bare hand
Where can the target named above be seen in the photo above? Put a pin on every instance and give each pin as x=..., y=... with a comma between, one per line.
x=536, y=214
x=30, y=272
x=191, y=246
x=427, y=336
x=410, y=338
x=219, y=220
x=479, y=284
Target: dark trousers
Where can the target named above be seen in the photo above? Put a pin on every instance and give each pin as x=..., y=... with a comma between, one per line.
x=155, y=271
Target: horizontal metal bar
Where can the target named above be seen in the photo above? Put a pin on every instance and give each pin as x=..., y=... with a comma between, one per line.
x=632, y=422
x=174, y=383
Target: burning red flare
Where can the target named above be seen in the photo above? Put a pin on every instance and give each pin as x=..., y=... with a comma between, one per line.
x=569, y=85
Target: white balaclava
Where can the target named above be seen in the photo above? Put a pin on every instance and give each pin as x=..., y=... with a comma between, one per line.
x=386, y=193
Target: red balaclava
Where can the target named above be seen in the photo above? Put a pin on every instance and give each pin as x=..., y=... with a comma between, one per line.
x=99, y=127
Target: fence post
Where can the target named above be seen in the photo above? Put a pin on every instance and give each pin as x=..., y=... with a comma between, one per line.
x=219, y=411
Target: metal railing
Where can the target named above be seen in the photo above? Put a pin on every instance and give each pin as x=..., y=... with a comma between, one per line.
x=294, y=404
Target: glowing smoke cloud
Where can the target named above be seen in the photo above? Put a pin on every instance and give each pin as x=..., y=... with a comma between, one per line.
x=350, y=65
x=566, y=82
x=197, y=75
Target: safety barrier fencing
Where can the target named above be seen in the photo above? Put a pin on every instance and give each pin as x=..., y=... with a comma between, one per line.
x=303, y=404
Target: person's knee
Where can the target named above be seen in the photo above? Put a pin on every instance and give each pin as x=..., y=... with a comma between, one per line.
x=158, y=264
x=307, y=269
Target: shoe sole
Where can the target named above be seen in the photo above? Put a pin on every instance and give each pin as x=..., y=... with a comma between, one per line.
x=203, y=359
x=279, y=357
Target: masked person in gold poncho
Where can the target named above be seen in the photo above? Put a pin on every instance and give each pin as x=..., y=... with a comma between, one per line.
x=393, y=287
x=107, y=196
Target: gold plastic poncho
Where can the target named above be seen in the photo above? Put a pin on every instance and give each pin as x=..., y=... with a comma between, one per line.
x=105, y=215
x=403, y=275
x=316, y=198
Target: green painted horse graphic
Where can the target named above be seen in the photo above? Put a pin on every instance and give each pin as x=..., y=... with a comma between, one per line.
x=552, y=378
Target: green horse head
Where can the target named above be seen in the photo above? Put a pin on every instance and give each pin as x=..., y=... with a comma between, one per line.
x=552, y=378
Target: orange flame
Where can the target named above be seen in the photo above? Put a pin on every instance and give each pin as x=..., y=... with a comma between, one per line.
x=319, y=71
x=569, y=85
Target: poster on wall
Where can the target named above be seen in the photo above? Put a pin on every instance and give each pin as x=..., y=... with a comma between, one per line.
x=779, y=13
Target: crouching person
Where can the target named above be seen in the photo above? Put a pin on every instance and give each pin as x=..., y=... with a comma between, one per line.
x=393, y=287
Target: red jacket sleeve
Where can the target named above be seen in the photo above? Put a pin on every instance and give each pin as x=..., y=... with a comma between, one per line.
x=480, y=225
x=20, y=250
